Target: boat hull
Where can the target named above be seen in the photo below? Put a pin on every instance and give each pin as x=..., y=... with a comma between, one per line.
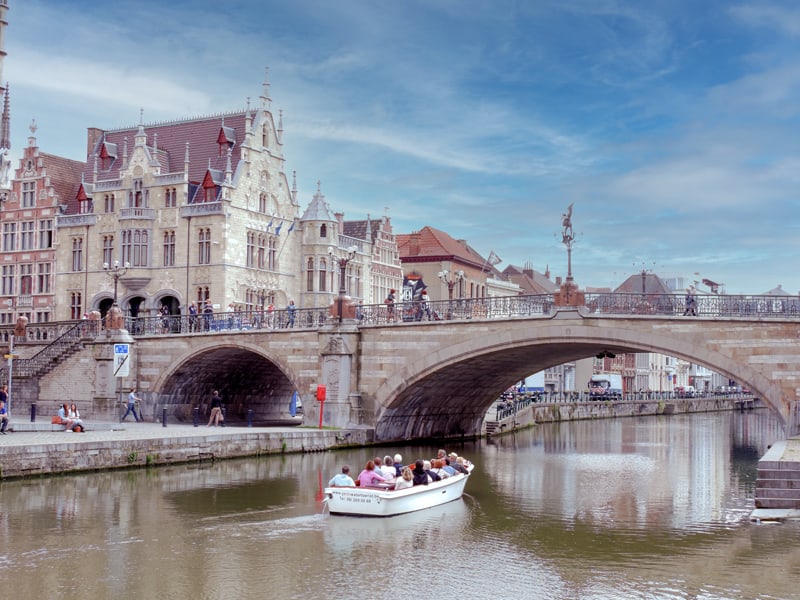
x=375, y=502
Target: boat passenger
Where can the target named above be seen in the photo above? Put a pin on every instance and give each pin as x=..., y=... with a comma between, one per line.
x=438, y=469
x=458, y=466
x=420, y=476
x=427, y=466
x=342, y=479
x=398, y=465
x=368, y=477
x=406, y=479
x=387, y=469
x=447, y=468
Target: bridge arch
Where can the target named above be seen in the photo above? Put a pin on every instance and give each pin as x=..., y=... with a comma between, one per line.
x=247, y=377
x=446, y=391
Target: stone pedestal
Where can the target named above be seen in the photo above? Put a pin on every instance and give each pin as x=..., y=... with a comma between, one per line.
x=105, y=402
x=569, y=295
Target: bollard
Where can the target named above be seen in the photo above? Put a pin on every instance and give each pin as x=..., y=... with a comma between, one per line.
x=249, y=417
x=196, y=416
x=164, y=417
x=33, y=412
x=224, y=415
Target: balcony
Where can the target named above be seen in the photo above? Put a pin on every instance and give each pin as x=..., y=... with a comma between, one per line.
x=202, y=208
x=137, y=212
x=76, y=220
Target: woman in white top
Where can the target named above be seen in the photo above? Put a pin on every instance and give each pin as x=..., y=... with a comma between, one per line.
x=387, y=468
x=406, y=481
x=75, y=415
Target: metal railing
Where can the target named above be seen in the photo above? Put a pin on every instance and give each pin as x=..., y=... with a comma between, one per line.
x=501, y=307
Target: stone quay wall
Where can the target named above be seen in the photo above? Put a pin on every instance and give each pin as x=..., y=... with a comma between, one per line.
x=56, y=455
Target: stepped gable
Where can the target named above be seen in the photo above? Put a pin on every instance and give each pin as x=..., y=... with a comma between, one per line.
x=64, y=175
x=202, y=133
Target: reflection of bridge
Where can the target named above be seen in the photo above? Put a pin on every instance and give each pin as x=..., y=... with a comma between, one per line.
x=411, y=379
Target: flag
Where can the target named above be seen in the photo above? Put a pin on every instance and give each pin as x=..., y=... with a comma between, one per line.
x=278, y=229
x=270, y=224
x=293, y=405
x=291, y=227
x=494, y=259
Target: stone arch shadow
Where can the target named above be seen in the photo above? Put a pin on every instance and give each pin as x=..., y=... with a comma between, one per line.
x=246, y=377
x=446, y=393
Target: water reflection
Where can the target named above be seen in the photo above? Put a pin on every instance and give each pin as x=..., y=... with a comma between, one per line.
x=631, y=508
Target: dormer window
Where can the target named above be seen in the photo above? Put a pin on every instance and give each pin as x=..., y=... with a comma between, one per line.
x=225, y=139
x=108, y=152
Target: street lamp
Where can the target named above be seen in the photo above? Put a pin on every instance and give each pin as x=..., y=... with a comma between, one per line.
x=342, y=262
x=458, y=277
x=116, y=271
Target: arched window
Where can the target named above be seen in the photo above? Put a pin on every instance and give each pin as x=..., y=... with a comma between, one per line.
x=323, y=231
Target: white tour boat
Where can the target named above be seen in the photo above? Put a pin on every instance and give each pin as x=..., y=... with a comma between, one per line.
x=383, y=501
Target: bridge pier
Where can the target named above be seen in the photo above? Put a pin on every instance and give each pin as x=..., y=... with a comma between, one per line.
x=104, y=401
x=339, y=375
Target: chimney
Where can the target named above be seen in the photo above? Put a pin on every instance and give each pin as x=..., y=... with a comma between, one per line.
x=558, y=281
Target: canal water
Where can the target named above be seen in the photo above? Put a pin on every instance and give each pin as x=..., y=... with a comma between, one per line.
x=630, y=508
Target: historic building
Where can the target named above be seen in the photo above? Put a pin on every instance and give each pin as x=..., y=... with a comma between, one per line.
x=42, y=185
x=368, y=248
x=450, y=268
x=196, y=210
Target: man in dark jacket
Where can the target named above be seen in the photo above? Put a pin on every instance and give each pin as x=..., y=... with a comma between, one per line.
x=420, y=476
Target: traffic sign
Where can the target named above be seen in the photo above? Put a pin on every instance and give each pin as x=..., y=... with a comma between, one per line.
x=122, y=360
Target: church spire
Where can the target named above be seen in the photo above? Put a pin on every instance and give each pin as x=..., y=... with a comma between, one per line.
x=5, y=120
x=265, y=99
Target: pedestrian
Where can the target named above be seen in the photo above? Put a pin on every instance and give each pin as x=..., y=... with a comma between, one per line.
x=164, y=318
x=271, y=316
x=132, y=400
x=3, y=417
x=216, y=410
x=208, y=315
x=192, y=317
x=691, y=303
x=390, y=305
x=290, y=310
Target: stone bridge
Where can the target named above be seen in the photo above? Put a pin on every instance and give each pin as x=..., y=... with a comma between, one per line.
x=432, y=378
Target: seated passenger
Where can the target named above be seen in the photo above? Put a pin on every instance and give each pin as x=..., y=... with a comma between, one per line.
x=447, y=468
x=387, y=469
x=439, y=470
x=427, y=466
x=398, y=465
x=368, y=477
x=406, y=479
x=420, y=476
x=342, y=479
x=456, y=465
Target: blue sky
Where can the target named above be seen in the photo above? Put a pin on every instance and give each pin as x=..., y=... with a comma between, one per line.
x=671, y=125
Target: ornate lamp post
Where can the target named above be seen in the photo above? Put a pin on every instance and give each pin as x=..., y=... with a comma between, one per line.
x=116, y=271
x=342, y=262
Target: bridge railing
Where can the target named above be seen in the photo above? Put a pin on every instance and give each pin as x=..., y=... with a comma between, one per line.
x=502, y=307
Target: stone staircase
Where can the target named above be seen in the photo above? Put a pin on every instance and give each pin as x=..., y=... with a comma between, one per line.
x=60, y=349
x=778, y=480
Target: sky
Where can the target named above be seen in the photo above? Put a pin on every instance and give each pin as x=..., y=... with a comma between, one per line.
x=671, y=126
